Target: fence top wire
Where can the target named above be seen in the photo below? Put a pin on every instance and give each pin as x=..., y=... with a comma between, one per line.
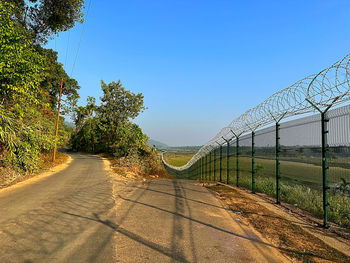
x=329, y=87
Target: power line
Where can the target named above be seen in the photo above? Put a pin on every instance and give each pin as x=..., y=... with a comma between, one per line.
x=67, y=48
x=81, y=37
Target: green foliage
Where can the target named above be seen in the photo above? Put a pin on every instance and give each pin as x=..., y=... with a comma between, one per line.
x=20, y=65
x=29, y=78
x=130, y=140
x=23, y=139
x=107, y=128
x=52, y=75
x=119, y=104
x=49, y=17
x=43, y=18
x=259, y=168
x=344, y=186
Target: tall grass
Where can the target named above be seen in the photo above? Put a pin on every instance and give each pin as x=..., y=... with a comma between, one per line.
x=304, y=197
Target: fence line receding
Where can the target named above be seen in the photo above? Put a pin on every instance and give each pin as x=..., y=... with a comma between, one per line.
x=304, y=161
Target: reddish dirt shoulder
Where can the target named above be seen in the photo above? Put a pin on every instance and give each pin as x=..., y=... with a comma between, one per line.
x=294, y=238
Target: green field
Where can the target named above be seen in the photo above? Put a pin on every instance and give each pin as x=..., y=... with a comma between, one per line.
x=178, y=158
x=301, y=180
x=293, y=171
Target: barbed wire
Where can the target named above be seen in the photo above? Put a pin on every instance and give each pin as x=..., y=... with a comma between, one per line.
x=329, y=87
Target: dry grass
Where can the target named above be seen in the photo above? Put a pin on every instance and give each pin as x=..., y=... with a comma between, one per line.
x=290, y=238
x=134, y=168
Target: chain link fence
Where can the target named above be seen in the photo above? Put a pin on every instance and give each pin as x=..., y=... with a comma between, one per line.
x=304, y=161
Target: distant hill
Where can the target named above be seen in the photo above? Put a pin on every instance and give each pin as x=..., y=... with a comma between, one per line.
x=159, y=145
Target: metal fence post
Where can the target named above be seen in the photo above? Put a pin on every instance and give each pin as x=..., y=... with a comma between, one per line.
x=203, y=176
x=277, y=153
x=253, y=163
x=214, y=164
x=237, y=157
x=210, y=172
x=324, y=149
x=228, y=162
x=202, y=168
x=237, y=161
x=220, y=166
x=198, y=168
x=206, y=167
x=324, y=168
x=278, y=177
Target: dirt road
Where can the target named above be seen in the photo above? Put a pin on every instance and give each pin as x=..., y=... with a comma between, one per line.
x=78, y=215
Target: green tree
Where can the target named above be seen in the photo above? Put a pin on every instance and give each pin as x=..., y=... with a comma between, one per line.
x=20, y=66
x=28, y=95
x=46, y=17
x=53, y=73
x=117, y=107
x=119, y=104
x=82, y=114
x=107, y=128
x=131, y=140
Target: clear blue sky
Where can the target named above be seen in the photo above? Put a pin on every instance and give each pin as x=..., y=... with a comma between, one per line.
x=201, y=63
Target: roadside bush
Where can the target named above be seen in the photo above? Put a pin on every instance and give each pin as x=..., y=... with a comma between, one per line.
x=130, y=141
x=108, y=129
x=23, y=139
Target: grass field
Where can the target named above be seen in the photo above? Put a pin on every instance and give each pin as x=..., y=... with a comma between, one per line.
x=303, y=173
x=178, y=158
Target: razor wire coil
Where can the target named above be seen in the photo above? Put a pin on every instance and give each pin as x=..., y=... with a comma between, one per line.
x=329, y=87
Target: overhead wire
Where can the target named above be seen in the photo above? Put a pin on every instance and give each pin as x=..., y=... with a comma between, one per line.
x=67, y=48
x=81, y=38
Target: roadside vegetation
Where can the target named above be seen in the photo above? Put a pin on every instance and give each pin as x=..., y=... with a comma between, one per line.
x=108, y=129
x=301, y=185
x=304, y=197
x=29, y=77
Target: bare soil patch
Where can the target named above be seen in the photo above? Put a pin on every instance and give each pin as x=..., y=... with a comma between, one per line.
x=290, y=237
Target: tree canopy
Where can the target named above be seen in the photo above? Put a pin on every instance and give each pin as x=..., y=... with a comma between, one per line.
x=44, y=18
x=107, y=128
x=20, y=65
x=29, y=79
x=119, y=104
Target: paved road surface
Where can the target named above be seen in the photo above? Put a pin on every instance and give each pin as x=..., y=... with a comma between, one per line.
x=71, y=216
x=38, y=222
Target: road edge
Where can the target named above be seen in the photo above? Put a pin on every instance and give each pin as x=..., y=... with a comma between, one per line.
x=38, y=177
